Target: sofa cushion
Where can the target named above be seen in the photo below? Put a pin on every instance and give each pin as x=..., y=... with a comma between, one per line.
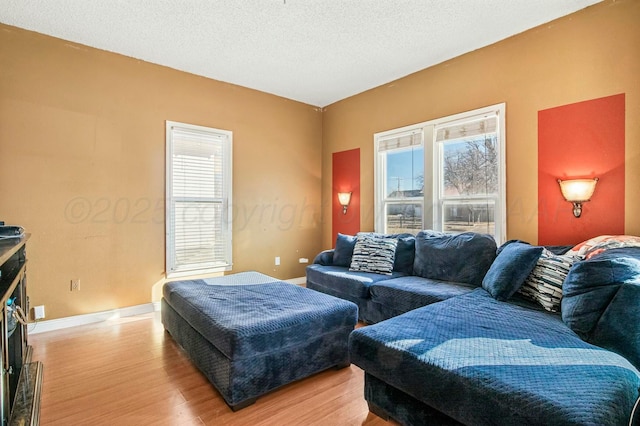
x=344, y=250
x=373, y=254
x=512, y=266
x=544, y=283
x=482, y=361
x=400, y=295
x=601, y=300
x=354, y=284
x=462, y=258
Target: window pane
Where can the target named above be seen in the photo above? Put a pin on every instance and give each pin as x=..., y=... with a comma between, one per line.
x=199, y=235
x=470, y=167
x=404, y=217
x=469, y=217
x=405, y=173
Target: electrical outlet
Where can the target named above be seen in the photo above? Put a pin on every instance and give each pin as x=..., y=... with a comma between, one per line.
x=38, y=312
x=303, y=260
x=277, y=260
x=75, y=285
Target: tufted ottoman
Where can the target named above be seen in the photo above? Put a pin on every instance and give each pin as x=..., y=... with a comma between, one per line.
x=250, y=333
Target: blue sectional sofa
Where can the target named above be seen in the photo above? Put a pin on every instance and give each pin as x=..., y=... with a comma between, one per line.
x=472, y=349
x=427, y=268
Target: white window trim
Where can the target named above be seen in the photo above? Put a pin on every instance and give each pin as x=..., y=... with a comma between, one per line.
x=227, y=201
x=431, y=211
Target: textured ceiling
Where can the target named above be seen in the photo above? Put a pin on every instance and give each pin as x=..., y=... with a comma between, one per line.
x=313, y=51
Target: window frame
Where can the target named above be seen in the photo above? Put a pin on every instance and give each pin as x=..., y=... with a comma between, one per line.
x=225, y=138
x=433, y=200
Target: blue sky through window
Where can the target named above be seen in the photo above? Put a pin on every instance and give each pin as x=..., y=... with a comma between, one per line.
x=404, y=168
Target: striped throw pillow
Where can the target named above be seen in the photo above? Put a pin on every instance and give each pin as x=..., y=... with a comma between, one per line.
x=544, y=284
x=373, y=254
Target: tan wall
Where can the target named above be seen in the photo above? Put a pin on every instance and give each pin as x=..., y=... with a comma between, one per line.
x=82, y=159
x=586, y=55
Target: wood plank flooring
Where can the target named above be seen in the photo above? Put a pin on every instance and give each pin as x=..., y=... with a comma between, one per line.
x=130, y=372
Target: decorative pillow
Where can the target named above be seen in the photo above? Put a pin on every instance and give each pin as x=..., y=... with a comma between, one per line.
x=373, y=254
x=405, y=252
x=512, y=266
x=593, y=246
x=344, y=250
x=544, y=283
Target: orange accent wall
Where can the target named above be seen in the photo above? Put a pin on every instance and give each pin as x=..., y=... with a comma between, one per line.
x=346, y=178
x=581, y=140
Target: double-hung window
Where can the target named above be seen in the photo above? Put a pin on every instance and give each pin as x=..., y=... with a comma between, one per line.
x=400, y=193
x=456, y=185
x=198, y=199
x=467, y=189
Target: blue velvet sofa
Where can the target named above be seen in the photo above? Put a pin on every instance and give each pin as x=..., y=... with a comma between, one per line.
x=485, y=355
x=428, y=267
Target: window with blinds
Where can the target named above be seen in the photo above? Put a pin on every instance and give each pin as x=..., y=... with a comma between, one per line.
x=446, y=174
x=198, y=199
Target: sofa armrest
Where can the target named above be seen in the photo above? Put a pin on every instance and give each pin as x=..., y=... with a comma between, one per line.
x=324, y=258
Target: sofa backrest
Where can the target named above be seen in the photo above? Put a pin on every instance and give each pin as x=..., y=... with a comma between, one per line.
x=463, y=258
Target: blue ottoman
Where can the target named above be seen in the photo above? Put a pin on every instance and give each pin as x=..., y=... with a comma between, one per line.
x=250, y=333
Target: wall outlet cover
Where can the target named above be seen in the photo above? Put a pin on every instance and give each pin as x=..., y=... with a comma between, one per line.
x=38, y=312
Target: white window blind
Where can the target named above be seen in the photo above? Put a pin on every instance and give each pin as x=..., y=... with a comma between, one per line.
x=467, y=129
x=400, y=141
x=198, y=199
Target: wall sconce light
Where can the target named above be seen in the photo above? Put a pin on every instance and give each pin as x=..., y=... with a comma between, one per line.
x=577, y=191
x=344, y=198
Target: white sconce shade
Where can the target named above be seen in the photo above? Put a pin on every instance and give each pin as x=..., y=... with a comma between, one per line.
x=577, y=191
x=344, y=198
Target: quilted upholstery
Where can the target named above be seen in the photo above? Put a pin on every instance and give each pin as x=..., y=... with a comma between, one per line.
x=251, y=338
x=355, y=284
x=483, y=362
x=246, y=320
x=462, y=258
x=601, y=300
x=399, y=295
x=338, y=281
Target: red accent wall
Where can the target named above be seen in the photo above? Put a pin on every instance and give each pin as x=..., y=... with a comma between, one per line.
x=346, y=178
x=581, y=140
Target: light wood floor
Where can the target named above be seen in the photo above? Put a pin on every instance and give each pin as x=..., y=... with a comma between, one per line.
x=130, y=372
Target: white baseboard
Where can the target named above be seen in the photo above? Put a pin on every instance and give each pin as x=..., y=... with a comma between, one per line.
x=76, y=320
x=297, y=281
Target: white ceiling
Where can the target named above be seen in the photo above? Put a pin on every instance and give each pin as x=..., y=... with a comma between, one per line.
x=313, y=51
